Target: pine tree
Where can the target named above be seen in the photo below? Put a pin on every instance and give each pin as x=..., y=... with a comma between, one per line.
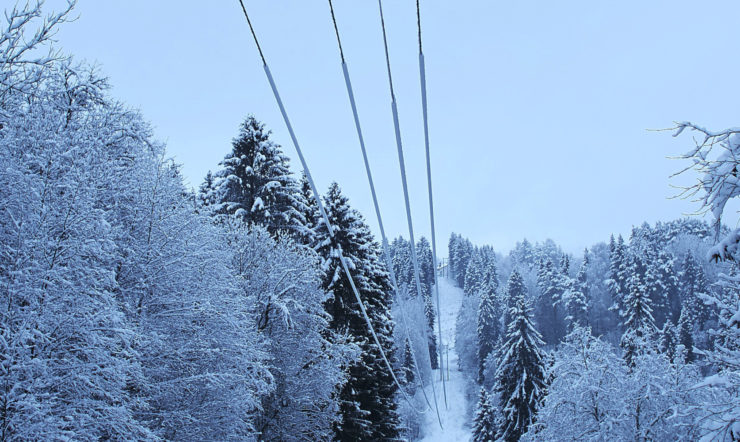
x=484, y=423
x=368, y=407
x=409, y=368
x=618, y=274
x=308, y=213
x=639, y=323
x=474, y=274
x=521, y=373
x=548, y=311
x=668, y=340
x=515, y=288
x=489, y=313
x=255, y=183
x=578, y=296
x=685, y=336
x=692, y=281
x=662, y=285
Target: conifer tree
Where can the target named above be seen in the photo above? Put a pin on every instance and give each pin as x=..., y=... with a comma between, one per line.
x=474, y=274
x=484, y=423
x=308, y=213
x=692, y=281
x=618, y=274
x=685, y=336
x=639, y=323
x=368, y=407
x=668, y=340
x=577, y=298
x=515, y=288
x=521, y=373
x=255, y=182
x=409, y=368
x=662, y=285
x=489, y=313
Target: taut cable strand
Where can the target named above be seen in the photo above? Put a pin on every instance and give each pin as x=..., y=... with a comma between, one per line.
x=386, y=252
x=402, y=165
x=422, y=75
x=320, y=205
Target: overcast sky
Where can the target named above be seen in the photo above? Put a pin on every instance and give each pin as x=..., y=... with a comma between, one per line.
x=538, y=110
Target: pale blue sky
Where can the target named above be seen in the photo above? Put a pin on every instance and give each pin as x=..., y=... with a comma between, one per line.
x=538, y=110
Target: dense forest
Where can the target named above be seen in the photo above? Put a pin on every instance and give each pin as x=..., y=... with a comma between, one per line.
x=137, y=308
x=615, y=341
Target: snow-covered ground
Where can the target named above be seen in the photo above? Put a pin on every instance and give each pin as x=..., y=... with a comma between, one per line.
x=453, y=417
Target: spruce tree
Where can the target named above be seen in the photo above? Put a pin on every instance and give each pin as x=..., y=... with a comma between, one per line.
x=368, y=407
x=521, y=373
x=426, y=277
x=484, y=423
x=639, y=323
x=308, y=213
x=489, y=314
x=548, y=311
x=578, y=296
x=515, y=288
x=255, y=183
x=662, y=285
x=409, y=368
x=692, y=281
x=474, y=274
x=685, y=336
x=668, y=340
x=618, y=274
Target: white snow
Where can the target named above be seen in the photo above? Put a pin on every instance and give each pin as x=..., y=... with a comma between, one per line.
x=454, y=419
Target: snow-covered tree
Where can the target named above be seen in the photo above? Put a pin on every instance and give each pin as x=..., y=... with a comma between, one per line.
x=594, y=396
x=485, y=423
x=585, y=399
x=521, y=373
x=306, y=359
x=255, y=183
x=489, y=328
x=368, y=406
x=619, y=274
x=714, y=158
x=639, y=324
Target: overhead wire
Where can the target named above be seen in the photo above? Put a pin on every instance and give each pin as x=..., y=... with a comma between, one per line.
x=322, y=211
x=368, y=171
x=423, y=80
x=402, y=165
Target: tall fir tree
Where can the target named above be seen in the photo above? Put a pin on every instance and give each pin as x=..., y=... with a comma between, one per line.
x=255, y=183
x=668, y=340
x=685, y=334
x=409, y=368
x=521, y=373
x=368, y=407
x=474, y=274
x=692, y=281
x=639, y=324
x=515, y=288
x=618, y=274
x=489, y=315
x=578, y=296
x=485, y=422
x=662, y=285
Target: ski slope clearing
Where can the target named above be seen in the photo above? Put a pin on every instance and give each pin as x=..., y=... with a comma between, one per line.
x=454, y=420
